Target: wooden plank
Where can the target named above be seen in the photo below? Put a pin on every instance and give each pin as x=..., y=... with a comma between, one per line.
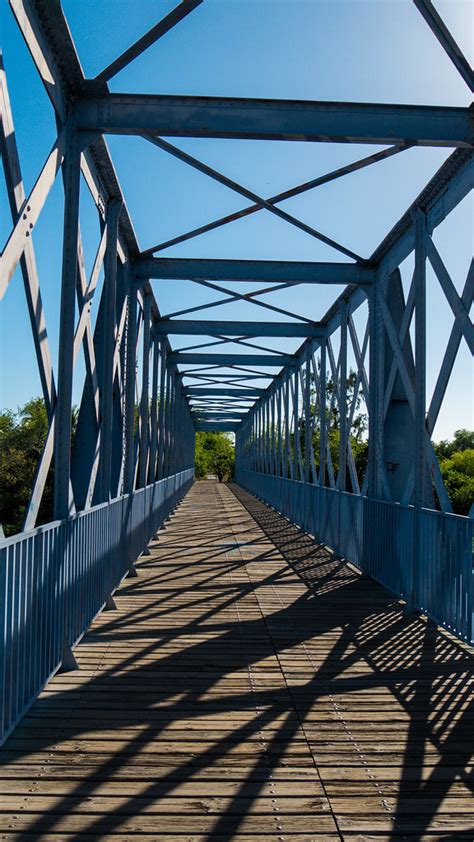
x=246, y=687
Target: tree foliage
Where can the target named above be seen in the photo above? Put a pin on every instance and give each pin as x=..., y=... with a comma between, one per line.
x=358, y=427
x=214, y=455
x=22, y=438
x=456, y=460
x=23, y=435
x=462, y=440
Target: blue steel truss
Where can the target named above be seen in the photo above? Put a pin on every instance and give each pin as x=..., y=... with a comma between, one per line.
x=394, y=520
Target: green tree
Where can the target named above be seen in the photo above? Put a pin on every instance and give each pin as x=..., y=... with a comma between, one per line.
x=456, y=460
x=214, y=454
x=357, y=432
x=22, y=439
x=463, y=440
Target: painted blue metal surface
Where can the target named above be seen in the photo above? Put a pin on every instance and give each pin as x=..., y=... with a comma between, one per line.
x=185, y=116
x=423, y=556
x=245, y=271
x=275, y=360
x=190, y=327
x=224, y=391
x=56, y=578
x=439, y=28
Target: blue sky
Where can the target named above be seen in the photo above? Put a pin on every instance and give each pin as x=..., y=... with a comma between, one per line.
x=343, y=50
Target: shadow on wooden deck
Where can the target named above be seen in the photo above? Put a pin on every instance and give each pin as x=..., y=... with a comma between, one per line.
x=248, y=687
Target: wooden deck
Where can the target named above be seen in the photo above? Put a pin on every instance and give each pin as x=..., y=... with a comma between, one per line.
x=248, y=687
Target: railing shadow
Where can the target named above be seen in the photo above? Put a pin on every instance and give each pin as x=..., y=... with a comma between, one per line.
x=374, y=648
x=426, y=672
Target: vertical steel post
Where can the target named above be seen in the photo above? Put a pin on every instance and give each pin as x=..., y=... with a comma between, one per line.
x=307, y=405
x=296, y=437
x=161, y=409
x=154, y=409
x=343, y=433
x=268, y=448
x=173, y=421
x=144, y=402
x=322, y=414
x=131, y=373
x=273, y=436
x=376, y=369
x=263, y=435
x=420, y=490
x=254, y=442
x=62, y=432
x=279, y=433
x=288, y=462
x=259, y=437
x=167, y=447
x=169, y=421
x=108, y=349
x=420, y=479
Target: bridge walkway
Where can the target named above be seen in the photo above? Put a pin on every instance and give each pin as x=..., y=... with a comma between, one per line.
x=248, y=686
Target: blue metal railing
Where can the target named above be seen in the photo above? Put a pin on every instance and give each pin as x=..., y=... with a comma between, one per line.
x=55, y=579
x=421, y=555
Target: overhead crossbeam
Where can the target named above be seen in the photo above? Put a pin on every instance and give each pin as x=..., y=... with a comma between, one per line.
x=217, y=390
x=217, y=415
x=266, y=119
x=228, y=408
x=232, y=359
x=252, y=271
x=215, y=402
x=222, y=328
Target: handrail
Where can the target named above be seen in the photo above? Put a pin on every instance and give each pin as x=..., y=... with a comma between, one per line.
x=421, y=555
x=56, y=578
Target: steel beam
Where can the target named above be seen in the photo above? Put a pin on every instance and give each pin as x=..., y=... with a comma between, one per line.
x=108, y=348
x=249, y=194
x=266, y=119
x=238, y=393
x=218, y=416
x=279, y=197
x=154, y=409
x=62, y=430
x=188, y=327
x=252, y=271
x=232, y=359
x=209, y=376
x=161, y=28
x=161, y=409
x=130, y=372
x=450, y=184
x=16, y=198
x=144, y=396
x=420, y=485
x=442, y=33
x=19, y=237
x=216, y=426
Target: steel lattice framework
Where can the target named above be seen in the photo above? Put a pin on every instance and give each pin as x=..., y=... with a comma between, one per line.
x=201, y=389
